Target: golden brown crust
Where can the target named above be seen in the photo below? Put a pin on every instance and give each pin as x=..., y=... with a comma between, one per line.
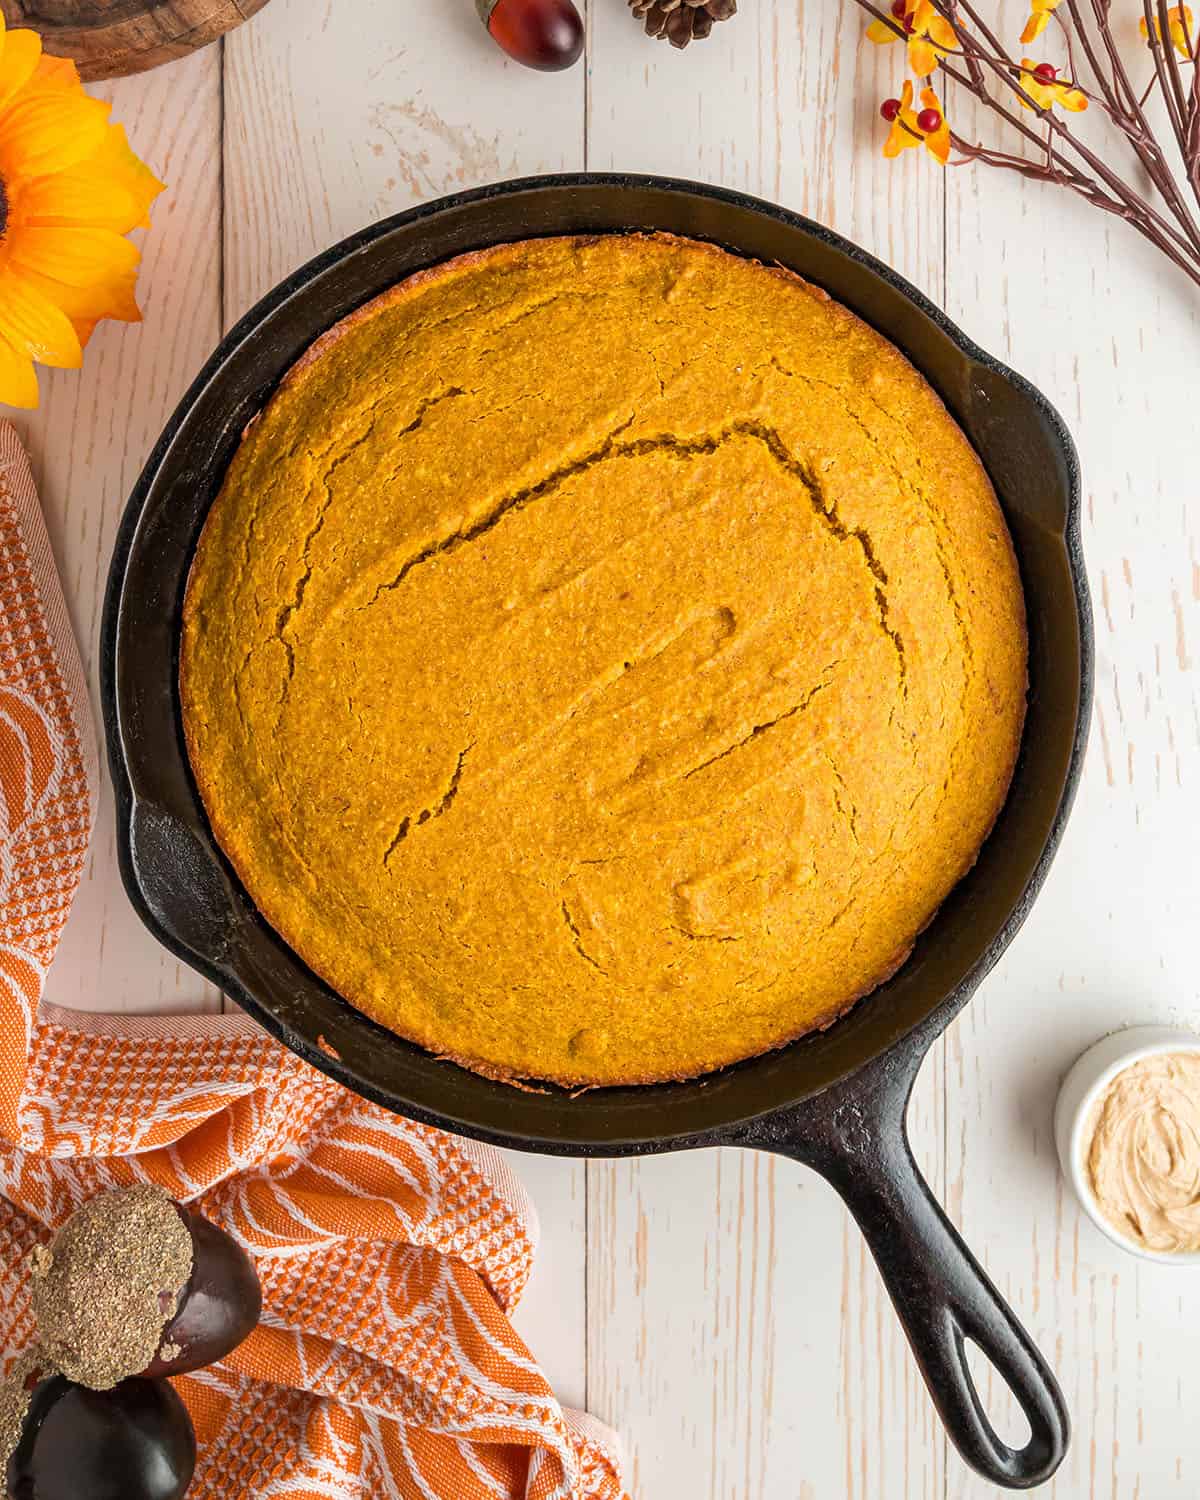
x=633, y=1079
x=602, y=659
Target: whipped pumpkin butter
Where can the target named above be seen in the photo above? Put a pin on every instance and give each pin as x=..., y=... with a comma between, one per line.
x=1144, y=1157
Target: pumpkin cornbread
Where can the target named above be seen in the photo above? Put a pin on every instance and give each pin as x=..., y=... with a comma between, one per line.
x=603, y=657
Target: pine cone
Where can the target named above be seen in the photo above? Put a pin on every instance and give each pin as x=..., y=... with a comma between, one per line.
x=678, y=21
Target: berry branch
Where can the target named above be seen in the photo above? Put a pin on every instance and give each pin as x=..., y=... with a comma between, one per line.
x=955, y=39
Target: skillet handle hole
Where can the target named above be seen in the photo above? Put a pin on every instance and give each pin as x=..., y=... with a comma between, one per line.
x=1006, y=1417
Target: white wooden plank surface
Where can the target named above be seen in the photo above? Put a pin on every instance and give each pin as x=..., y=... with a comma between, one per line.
x=719, y=1307
x=1076, y=302
x=88, y=442
x=332, y=122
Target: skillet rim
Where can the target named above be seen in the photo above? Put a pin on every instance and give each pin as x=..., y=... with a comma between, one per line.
x=910, y=1043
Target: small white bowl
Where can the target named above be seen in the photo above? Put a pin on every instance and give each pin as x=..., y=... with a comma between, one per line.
x=1077, y=1097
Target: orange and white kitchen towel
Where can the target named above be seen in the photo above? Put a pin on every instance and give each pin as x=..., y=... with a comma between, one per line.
x=390, y=1253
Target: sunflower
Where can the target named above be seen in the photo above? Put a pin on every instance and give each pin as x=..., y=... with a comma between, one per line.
x=70, y=190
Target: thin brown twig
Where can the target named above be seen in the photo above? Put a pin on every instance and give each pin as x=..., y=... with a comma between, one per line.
x=1118, y=79
x=1072, y=79
x=1144, y=142
x=951, y=72
x=1098, y=167
x=1063, y=157
x=1070, y=41
x=1149, y=145
x=973, y=66
x=1163, y=53
x=1167, y=43
x=1192, y=154
x=1137, y=129
x=1187, y=102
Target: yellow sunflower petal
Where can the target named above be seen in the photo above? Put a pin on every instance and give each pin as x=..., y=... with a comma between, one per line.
x=18, y=379
x=1073, y=99
x=111, y=190
x=80, y=257
x=34, y=325
x=116, y=298
x=881, y=33
x=18, y=63
x=941, y=32
x=74, y=189
x=79, y=197
x=43, y=133
x=120, y=165
x=84, y=328
x=55, y=75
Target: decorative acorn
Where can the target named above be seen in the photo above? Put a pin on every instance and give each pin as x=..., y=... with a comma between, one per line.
x=134, y=1286
x=137, y=1284
x=62, y=1441
x=543, y=34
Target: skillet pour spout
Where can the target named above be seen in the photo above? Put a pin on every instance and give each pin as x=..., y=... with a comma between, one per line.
x=835, y=1100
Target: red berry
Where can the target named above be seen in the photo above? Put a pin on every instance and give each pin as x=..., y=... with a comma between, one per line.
x=928, y=121
x=890, y=108
x=1045, y=72
x=898, y=8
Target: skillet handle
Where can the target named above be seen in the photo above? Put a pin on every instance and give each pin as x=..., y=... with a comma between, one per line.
x=855, y=1135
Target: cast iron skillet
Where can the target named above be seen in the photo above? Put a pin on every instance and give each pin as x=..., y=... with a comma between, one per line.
x=836, y=1101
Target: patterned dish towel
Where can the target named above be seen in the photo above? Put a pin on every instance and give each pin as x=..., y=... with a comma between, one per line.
x=389, y=1253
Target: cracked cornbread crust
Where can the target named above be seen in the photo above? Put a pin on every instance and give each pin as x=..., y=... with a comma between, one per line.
x=602, y=659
